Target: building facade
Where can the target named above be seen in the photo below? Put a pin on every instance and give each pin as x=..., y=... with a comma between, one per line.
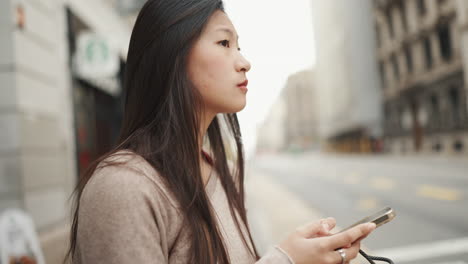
x=422, y=60
x=271, y=133
x=300, y=111
x=53, y=119
x=347, y=78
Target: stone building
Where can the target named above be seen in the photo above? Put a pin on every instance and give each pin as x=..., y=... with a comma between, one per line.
x=422, y=64
x=271, y=133
x=346, y=75
x=300, y=111
x=55, y=118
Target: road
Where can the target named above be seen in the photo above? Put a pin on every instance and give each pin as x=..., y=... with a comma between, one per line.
x=429, y=195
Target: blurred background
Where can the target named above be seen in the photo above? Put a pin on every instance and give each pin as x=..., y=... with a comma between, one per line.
x=353, y=105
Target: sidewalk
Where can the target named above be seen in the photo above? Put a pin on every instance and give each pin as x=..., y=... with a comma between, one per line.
x=274, y=211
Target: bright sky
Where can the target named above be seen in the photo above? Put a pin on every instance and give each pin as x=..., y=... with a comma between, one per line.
x=277, y=38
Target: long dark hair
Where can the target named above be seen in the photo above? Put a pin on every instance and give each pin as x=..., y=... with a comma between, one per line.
x=162, y=120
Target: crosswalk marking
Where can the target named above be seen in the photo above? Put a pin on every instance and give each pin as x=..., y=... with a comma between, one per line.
x=353, y=178
x=382, y=183
x=439, y=193
x=426, y=251
x=453, y=262
x=367, y=203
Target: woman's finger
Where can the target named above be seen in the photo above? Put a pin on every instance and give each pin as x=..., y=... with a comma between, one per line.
x=349, y=236
x=334, y=256
x=310, y=230
x=328, y=224
x=330, y=221
x=317, y=228
x=351, y=253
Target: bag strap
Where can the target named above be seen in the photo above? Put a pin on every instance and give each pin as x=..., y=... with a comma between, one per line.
x=372, y=258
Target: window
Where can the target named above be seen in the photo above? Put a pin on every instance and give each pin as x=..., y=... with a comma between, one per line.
x=437, y=147
x=400, y=118
x=441, y=2
x=458, y=145
x=454, y=99
x=403, y=16
x=387, y=117
x=377, y=36
x=427, y=52
x=434, y=111
x=388, y=14
x=396, y=118
x=396, y=71
x=445, y=42
x=382, y=73
x=391, y=118
x=421, y=7
x=408, y=57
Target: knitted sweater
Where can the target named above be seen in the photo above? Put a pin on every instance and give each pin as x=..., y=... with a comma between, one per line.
x=127, y=215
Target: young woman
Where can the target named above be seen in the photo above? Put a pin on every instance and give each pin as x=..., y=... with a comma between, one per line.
x=158, y=197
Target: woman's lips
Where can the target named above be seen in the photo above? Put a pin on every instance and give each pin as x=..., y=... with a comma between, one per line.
x=243, y=85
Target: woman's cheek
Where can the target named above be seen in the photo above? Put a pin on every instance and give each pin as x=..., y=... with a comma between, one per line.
x=215, y=66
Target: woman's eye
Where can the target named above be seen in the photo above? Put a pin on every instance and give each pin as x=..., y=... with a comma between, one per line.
x=225, y=43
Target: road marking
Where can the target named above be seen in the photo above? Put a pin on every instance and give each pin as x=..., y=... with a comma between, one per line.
x=439, y=193
x=367, y=204
x=382, y=183
x=425, y=251
x=353, y=178
x=453, y=262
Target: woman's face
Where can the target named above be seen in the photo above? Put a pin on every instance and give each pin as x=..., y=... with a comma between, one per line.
x=217, y=68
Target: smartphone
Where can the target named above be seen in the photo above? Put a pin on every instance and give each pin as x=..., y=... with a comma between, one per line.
x=379, y=218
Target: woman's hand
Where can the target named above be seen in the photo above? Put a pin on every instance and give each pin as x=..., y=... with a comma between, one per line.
x=313, y=243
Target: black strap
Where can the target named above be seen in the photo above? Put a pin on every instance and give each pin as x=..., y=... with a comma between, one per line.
x=372, y=258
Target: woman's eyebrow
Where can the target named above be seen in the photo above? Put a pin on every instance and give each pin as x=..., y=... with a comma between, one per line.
x=228, y=30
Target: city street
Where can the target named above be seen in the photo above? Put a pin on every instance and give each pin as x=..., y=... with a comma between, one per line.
x=429, y=195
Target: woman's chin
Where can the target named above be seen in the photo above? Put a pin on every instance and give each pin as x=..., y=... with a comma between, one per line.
x=238, y=107
x=233, y=106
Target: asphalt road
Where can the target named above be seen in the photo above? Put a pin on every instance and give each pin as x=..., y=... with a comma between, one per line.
x=429, y=195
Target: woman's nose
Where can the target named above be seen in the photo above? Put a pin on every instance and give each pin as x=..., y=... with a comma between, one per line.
x=243, y=64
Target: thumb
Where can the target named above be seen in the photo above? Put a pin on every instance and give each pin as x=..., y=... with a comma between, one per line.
x=313, y=229
x=327, y=225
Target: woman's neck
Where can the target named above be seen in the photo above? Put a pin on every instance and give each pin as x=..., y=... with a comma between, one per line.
x=205, y=122
x=205, y=164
